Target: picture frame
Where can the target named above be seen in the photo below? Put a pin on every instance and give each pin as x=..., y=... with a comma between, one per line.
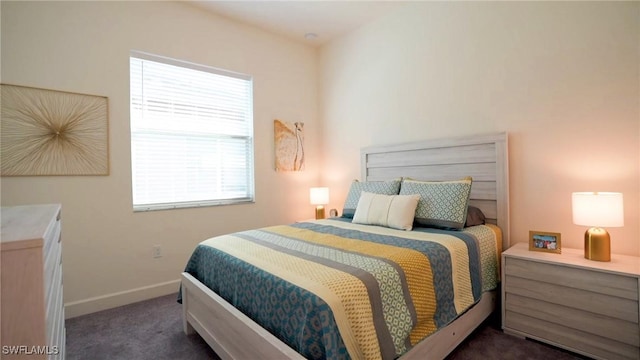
x=289, y=145
x=545, y=241
x=50, y=133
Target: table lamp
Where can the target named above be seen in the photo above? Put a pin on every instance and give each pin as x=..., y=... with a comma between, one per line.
x=319, y=196
x=598, y=210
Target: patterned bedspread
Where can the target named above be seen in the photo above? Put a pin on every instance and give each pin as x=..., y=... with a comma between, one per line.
x=333, y=289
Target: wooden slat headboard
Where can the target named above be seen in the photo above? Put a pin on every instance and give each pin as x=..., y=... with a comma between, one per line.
x=483, y=157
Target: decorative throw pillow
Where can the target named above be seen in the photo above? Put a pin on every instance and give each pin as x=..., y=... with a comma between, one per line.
x=443, y=204
x=391, y=187
x=394, y=211
x=475, y=216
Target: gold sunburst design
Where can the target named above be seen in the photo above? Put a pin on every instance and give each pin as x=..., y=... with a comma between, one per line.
x=47, y=132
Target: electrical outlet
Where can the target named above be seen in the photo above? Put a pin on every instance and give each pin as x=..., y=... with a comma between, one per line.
x=157, y=251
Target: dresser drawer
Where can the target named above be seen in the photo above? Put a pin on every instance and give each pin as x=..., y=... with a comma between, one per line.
x=52, y=257
x=54, y=306
x=52, y=278
x=51, y=236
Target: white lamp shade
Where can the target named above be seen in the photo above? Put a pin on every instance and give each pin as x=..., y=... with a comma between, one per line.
x=319, y=195
x=598, y=209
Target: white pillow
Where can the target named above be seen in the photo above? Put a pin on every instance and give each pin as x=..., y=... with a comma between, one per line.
x=394, y=211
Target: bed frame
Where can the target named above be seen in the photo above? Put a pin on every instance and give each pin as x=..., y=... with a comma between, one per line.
x=232, y=335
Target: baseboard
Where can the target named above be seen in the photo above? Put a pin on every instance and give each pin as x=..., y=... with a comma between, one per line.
x=109, y=301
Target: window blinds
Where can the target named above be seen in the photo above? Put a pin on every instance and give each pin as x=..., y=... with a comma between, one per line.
x=191, y=134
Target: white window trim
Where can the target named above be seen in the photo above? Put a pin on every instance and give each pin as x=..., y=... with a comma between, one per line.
x=200, y=203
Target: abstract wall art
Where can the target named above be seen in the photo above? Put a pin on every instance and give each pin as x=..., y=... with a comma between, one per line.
x=289, y=145
x=47, y=132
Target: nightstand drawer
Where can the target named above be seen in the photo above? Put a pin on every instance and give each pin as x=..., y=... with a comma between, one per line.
x=573, y=339
x=591, y=291
x=595, y=281
x=569, y=317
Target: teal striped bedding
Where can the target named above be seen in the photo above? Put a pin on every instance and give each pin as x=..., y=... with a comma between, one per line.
x=331, y=289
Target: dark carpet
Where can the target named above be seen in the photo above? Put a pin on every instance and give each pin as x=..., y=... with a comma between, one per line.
x=152, y=329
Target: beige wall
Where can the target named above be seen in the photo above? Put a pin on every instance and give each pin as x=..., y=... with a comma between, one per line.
x=84, y=47
x=561, y=77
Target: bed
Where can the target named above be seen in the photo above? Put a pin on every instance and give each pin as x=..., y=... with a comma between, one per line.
x=246, y=268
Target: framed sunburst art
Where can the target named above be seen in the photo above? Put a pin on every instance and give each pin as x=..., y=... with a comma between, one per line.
x=48, y=132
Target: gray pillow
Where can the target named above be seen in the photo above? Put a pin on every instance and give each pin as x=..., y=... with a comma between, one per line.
x=475, y=216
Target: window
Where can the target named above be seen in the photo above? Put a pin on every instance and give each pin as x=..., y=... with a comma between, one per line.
x=191, y=134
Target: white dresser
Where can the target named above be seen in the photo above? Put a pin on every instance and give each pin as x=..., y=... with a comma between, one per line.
x=31, y=307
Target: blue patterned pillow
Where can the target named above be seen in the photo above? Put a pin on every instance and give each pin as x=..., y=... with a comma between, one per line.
x=391, y=187
x=443, y=204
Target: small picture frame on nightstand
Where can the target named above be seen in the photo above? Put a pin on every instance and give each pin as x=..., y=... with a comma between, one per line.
x=544, y=241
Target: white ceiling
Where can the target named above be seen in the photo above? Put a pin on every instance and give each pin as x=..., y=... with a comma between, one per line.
x=294, y=19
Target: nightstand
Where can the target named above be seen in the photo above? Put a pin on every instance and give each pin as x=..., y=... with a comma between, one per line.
x=565, y=300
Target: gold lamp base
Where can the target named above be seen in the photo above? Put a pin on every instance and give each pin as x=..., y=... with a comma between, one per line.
x=597, y=244
x=319, y=212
